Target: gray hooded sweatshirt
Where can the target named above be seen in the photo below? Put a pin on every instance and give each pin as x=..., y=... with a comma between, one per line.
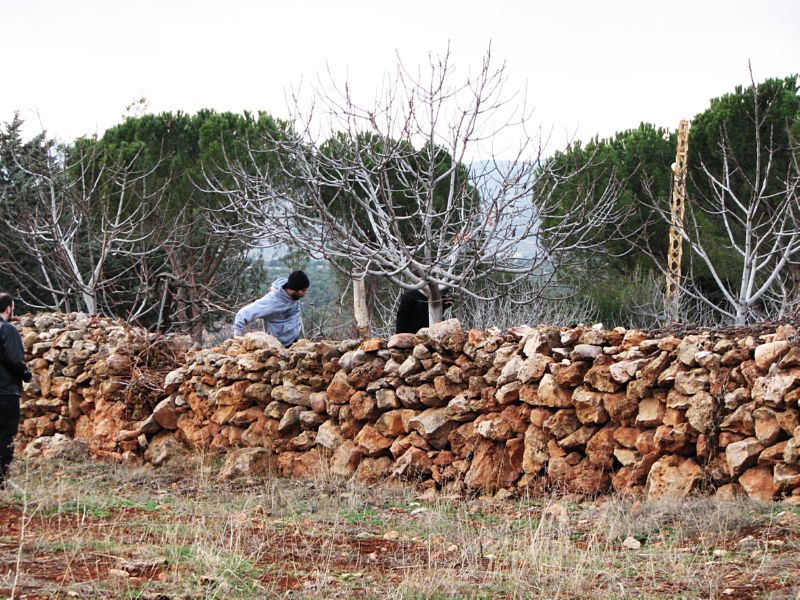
x=281, y=314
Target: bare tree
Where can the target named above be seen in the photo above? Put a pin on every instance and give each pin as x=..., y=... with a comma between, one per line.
x=384, y=189
x=755, y=204
x=80, y=218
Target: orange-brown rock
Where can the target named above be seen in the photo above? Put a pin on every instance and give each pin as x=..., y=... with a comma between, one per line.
x=651, y=412
x=346, y=458
x=600, y=448
x=767, y=354
x=599, y=377
x=758, y=483
x=768, y=429
x=582, y=478
x=495, y=465
x=373, y=470
x=676, y=440
x=741, y=455
x=562, y=423
x=299, y=465
x=673, y=477
x=433, y=425
x=339, y=390
x=621, y=408
x=372, y=442
x=589, y=406
x=413, y=463
x=626, y=436
x=551, y=394
x=569, y=375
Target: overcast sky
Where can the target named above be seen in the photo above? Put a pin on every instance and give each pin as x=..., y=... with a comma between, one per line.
x=589, y=67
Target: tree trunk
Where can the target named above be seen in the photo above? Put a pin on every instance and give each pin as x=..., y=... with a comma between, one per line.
x=360, y=308
x=435, y=304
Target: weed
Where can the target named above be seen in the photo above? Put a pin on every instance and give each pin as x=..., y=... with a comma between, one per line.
x=100, y=530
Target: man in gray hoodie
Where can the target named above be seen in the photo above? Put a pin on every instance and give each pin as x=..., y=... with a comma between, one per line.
x=279, y=309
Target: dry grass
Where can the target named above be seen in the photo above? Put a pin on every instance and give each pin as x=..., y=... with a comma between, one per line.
x=97, y=531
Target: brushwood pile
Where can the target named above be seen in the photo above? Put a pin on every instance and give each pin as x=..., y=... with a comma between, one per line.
x=580, y=410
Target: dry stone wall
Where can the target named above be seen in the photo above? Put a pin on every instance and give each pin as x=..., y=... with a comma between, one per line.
x=94, y=380
x=580, y=410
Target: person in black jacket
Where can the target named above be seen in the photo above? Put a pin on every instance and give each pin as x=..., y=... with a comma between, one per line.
x=13, y=372
x=412, y=313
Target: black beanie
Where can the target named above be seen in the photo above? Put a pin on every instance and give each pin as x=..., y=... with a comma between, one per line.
x=297, y=281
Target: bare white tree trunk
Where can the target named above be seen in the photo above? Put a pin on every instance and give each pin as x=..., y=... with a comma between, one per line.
x=360, y=308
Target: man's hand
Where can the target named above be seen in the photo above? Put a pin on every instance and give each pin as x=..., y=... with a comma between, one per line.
x=27, y=376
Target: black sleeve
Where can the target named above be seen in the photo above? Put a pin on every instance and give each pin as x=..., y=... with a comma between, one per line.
x=12, y=353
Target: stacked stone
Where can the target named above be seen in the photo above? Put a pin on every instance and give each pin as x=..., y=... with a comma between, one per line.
x=248, y=393
x=582, y=409
x=92, y=377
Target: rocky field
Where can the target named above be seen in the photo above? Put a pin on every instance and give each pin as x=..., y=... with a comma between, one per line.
x=99, y=530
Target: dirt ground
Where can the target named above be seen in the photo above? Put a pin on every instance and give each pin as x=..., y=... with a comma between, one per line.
x=107, y=531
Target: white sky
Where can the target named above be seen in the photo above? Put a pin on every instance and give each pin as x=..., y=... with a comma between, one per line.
x=590, y=66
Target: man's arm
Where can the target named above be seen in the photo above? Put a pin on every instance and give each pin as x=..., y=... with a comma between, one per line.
x=263, y=308
x=12, y=353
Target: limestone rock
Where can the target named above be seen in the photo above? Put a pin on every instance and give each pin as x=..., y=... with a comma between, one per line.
x=290, y=419
x=535, y=455
x=586, y=352
x=740, y=421
x=673, y=477
x=599, y=377
x=741, y=455
x=395, y=422
x=600, y=448
x=581, y=478
x=401, y=340
x=758, y=483
x=562, y=423
x=540, y=341
x=346, y=458
x=767, y=427
x=651, y=412
x=767, y=354
x=433, y=425
x=495, y=426
x=534, y=368
x=701, y=412
x=371, y=471
x=772, y=389
x=165, y=415
x=786, y=477
x=414, y=462
x=621, y=408
x=692, y=382
x=173, y=380
x=551, y=394
x=329, y=435
x=373, y=443
x=589, y=406
x=164, y=448
x=57, y=447
x=569, y=374
x=495, y=466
